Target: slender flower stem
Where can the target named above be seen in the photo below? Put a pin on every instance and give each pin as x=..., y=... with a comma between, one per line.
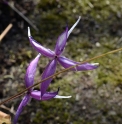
x=64, y=70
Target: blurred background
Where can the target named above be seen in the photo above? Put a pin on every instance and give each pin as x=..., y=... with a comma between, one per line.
x=96, y=95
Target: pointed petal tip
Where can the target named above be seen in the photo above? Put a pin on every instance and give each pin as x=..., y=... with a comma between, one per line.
x=71, y=29
x=79, y=17
x=39, y=55
x=68, y=96
x=29, y=34
x=96, y=64
x=60, y=97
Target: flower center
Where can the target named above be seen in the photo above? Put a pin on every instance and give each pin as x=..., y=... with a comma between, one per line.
x=56, y=56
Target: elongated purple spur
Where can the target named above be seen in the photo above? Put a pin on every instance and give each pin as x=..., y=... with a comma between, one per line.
x=38, y=95
x=59, y=48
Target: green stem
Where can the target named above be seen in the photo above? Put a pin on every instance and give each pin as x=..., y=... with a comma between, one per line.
x=64, y=70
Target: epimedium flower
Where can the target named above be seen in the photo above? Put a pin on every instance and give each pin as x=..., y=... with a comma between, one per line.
x=42, y=94
x=56, y=55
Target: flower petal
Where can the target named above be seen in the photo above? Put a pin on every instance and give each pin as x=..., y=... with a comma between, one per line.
x=71, y=29
x=36, y=94
x=66, y=63
x=61, y=42
x=20, y=108
x=60, y=97
x=44, y=51
x=49, y=70
x=30, y=73
x=49, y=95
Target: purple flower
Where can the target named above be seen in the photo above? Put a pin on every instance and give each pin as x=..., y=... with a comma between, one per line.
x=56, y=55
x=29, y=81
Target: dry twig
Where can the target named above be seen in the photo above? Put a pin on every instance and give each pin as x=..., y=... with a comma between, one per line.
x=8, y=109
x=5, y=31
x=11, y=4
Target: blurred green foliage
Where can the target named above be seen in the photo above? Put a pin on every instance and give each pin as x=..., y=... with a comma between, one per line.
x=96, y=16
x=62, y=9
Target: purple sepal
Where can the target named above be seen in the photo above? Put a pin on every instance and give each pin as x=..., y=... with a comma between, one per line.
x=21, y=107
x=36, y=94
x=61, y=42
x=44, y=51
x=66, y=63
x=49, y=95
x=30, y=73
x=49, y=70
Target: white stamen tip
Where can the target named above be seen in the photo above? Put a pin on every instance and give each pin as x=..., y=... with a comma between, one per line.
x=60, y=97
x=95, y=64
x=79, y=17
x=29, y=34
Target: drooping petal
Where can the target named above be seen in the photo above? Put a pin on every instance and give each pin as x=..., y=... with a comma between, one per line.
x=62, y=97
x=38, y=47
x=49, y=95
x=23, y=103
x=49, y=70
x=36, y=94
x=61, y=42
x=71, y=29
x=30, y=73
x=66, y=63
